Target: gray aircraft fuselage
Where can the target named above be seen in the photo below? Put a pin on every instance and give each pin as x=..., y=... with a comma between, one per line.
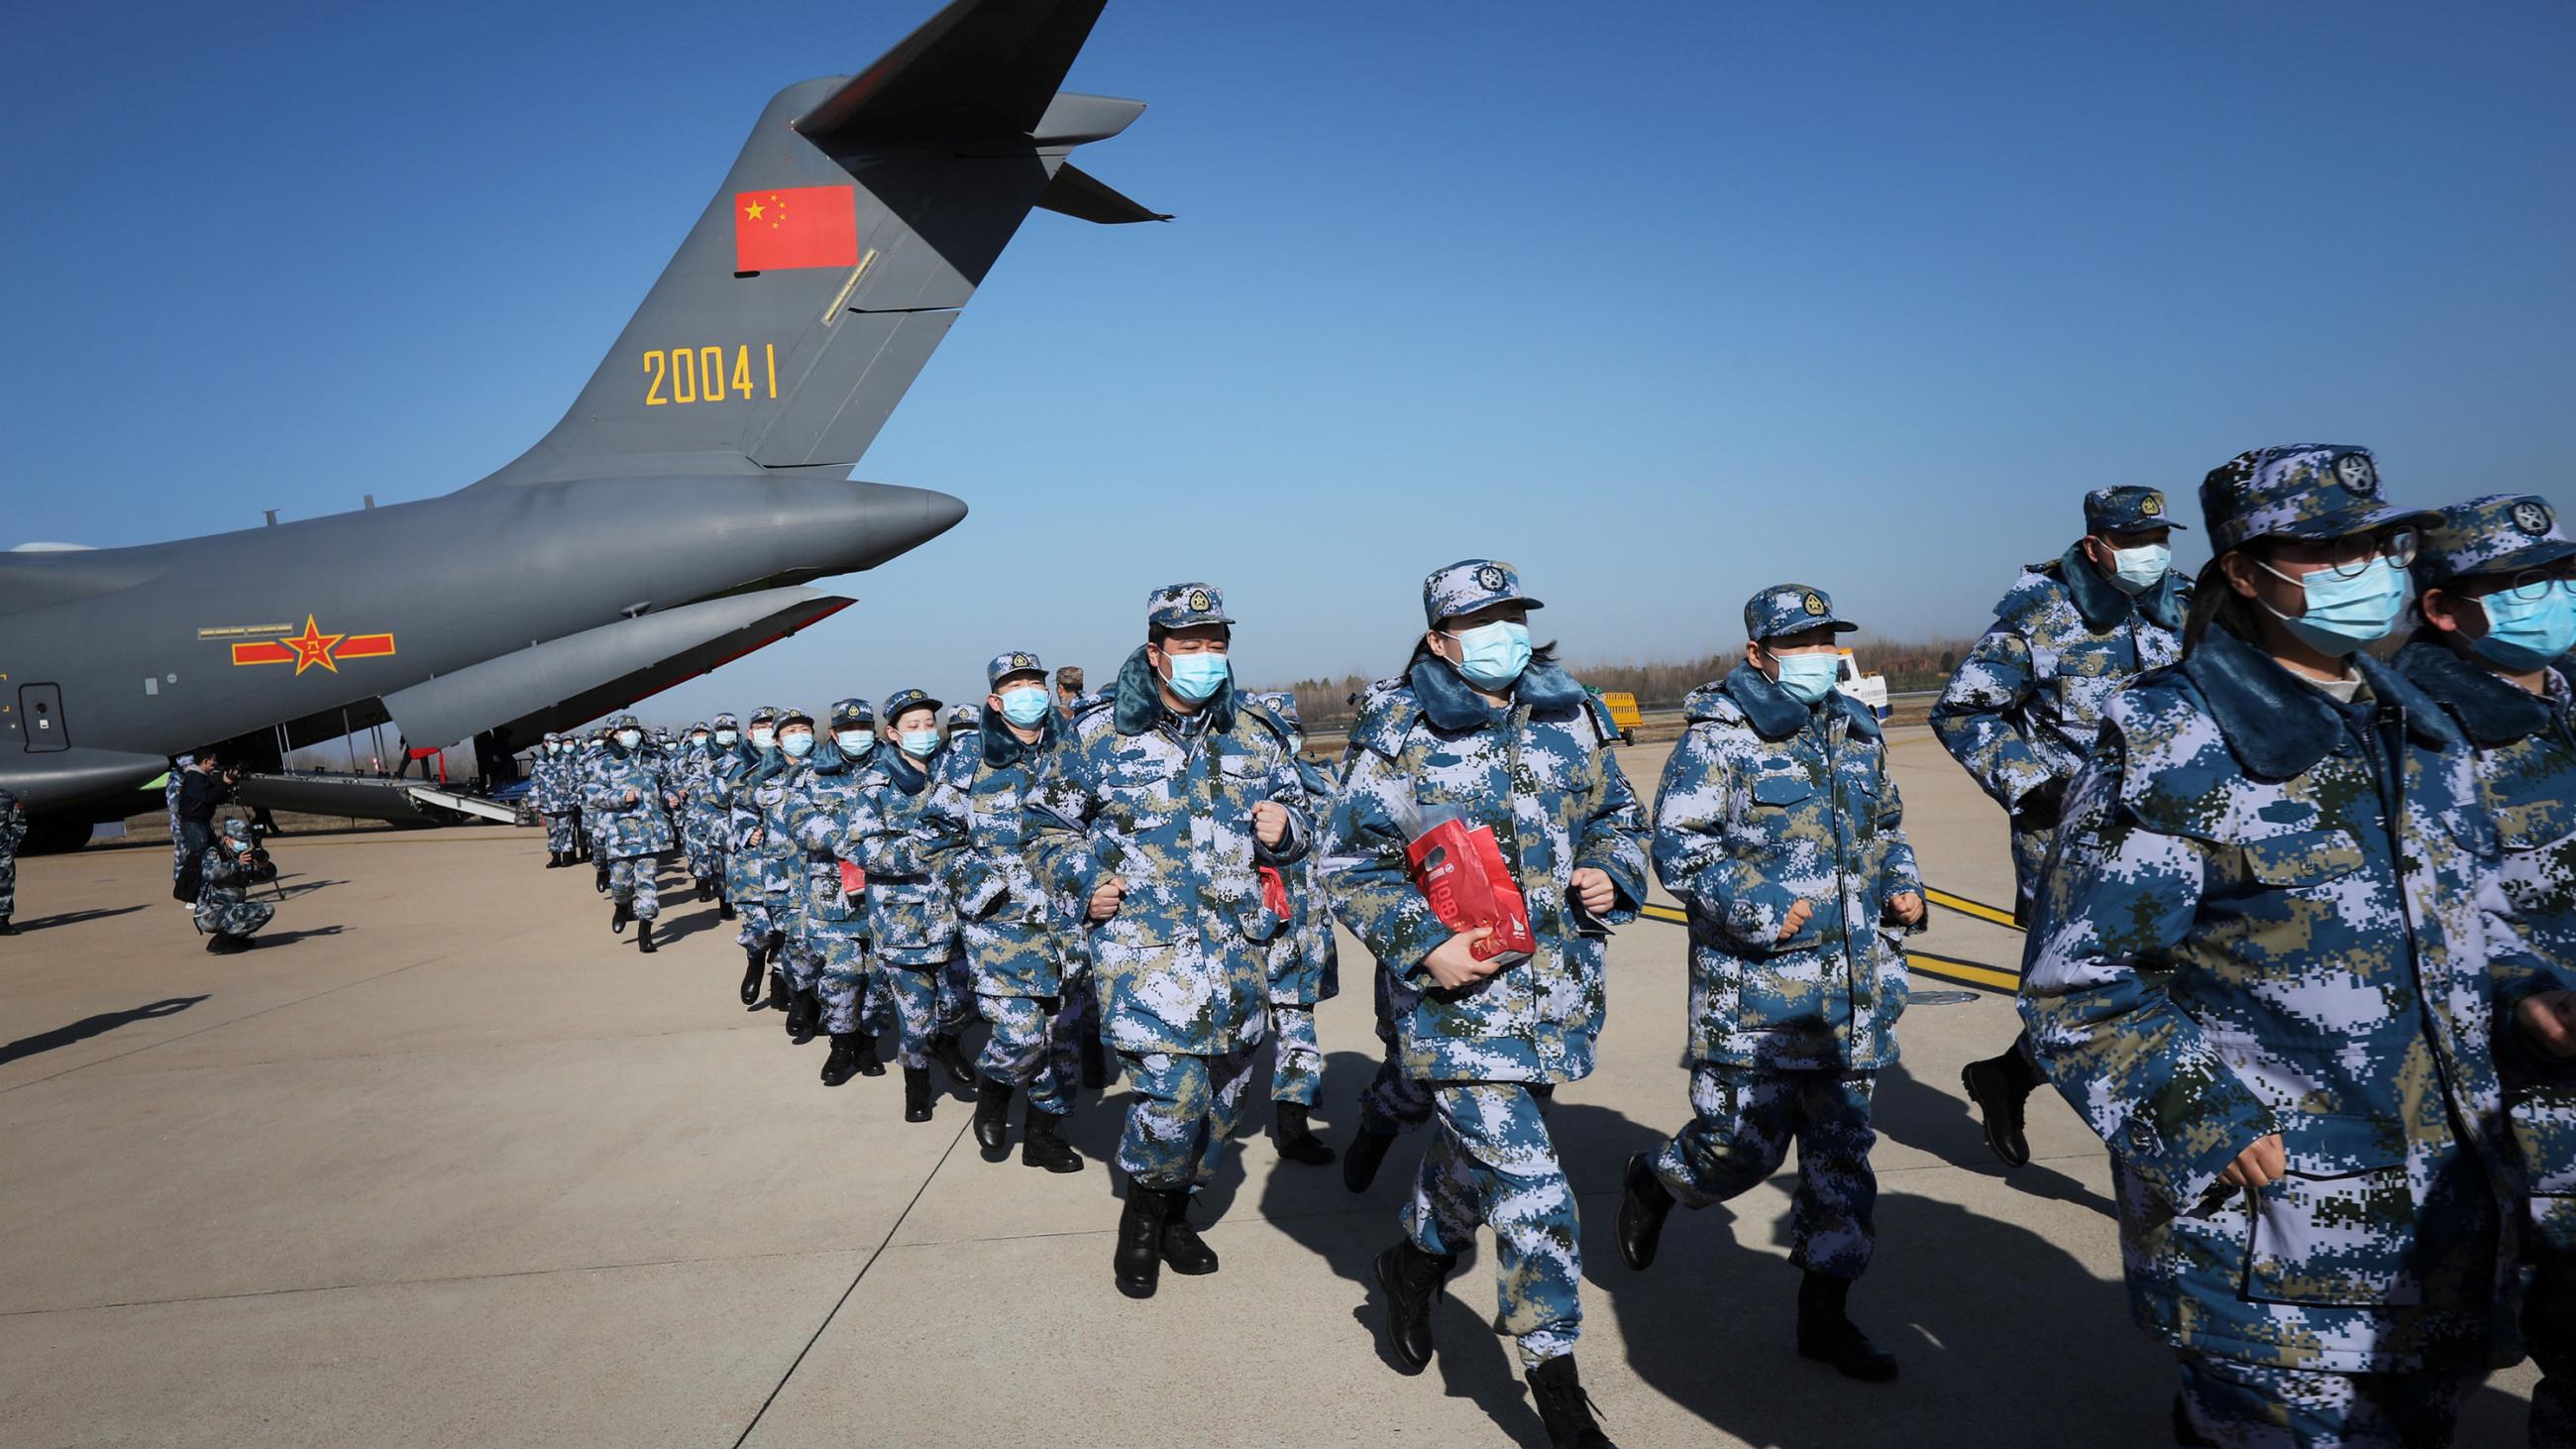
x=660, y=527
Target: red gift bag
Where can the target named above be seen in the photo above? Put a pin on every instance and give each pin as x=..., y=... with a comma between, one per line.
x=1459, y=869
x=854, y=881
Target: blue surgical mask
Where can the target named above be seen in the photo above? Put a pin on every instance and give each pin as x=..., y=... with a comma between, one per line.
x=629, y=739
x=2139, y=569
x=2345, y=613
x=921, y=744
x=700, y=741
x=727, y=737
x=762, y=739
x=1493, y=655
x=1196, y=677
x=854, y=743
x=797, y=745
x=2528, y=634
x=1024, y=706
x=1808, y=678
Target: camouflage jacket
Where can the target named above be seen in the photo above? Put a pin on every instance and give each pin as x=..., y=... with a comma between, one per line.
x=628, y=827
x=818, y=805
x=2524, y=746
x=2025, y=705
x=550, y=785
x=780, y=857
x=1166, y=801
x=223, y=895
x=769, y=859
x=1541, y=774
x=911, y=919
x=1305, y=962
x=13, y=821
x=972, y=834
x=2268, y=912
x=1764, y=803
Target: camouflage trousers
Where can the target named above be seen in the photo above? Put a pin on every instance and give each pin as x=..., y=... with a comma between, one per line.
x=178, y=847
x=634, y=881
x=1392, y=1102
x=559, y=837
x=1032, y=1048
x=240, y=918
x=842, y=983
x=2029, y=855
x=802, y=957
x=1746, y=1117
x=1297, y=1061
x=753, y=911
x=1491, y=1162
x=8, y=883
x=909, y=997
x=706, y=859
x=1185, y=1109
x=2237, y=1405
x=955, y=1008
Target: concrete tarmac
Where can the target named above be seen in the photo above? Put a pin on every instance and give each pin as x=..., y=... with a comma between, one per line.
x=445, y=1162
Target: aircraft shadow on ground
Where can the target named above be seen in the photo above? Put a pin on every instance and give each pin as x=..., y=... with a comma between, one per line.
x=74, y=918
x=1909, y=1111
x=90, y=1026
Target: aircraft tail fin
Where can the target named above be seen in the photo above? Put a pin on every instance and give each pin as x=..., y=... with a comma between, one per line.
x=857, y=221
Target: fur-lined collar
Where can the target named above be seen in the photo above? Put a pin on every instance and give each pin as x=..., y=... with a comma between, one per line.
x=2278, y=727
x=2104, y=604
x=1140, y=699
x=2490, y=710
x=1451, y=704
x=1775, y=714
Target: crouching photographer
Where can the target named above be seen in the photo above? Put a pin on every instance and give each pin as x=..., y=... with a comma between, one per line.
x=229, y=869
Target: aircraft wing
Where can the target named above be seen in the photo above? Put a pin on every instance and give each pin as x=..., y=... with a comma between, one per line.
x=567, y=681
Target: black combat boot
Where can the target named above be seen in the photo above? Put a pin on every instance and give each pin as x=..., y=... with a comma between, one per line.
x=779, y=996
x=1642, y=1210
x=1296, y=1141
x=916, y=1094
x=1139, y=1259
x=945, y=1051
x=993, y=1119
x=620, y=918
x=772, y=944
x=554, y=860
x=1564, y=1407
x=1184, y=1251
x=2000, y=1086
x=5, y=928
x=804, y=1014
x=724, y=910
x=600, y=880
x=1827, y=1335
x=644, y=938
x=1360, y=1163
x=843, y=1063
x=869, y=1066
x=1411, y=1280
x=751, y=981
x=215, y=944
x=1042, y=1146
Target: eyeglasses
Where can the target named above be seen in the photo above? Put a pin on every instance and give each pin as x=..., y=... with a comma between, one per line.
x=2352, y=556
x=2533, y=585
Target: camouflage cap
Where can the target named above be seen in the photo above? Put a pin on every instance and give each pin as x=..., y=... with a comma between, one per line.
x=1180, y=606
x=2303, y=490
x=971, y=715
x=1789, y=609
x=791, y=712
x=904, y=699
x=764, y=714
x=853, y=714
x=236, y=828
x=2129, y=508
x=1283, y=707
x=1471, y=584
x=1018, y=661
x=726, y=721
x=553, y=738
x=2498, y=534
x=697, y=726
x=625, y=722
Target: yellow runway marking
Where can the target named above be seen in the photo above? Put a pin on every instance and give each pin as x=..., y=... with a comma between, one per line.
x=1967, y=907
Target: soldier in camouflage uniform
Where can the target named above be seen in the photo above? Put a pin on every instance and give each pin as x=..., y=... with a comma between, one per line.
x=706, y=822
x=684, y=772
x=973, y=836
x=228, y=869
x=558, y=804
x=821, y=806
x=788, y=879
x=170, y=801
x=2025, y=706
x=625, y=793
x=1152, y=826
x=1488, y=731
x=13, y=831
x=1305, y=967
x=588, y=770
x=2498, y=581
x=912, y=923
x=1392, y=1103
x=2272, y=968
x=745, y=848
x=1779, y=829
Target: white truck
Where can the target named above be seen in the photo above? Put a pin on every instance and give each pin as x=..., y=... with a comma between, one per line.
x=1869, y=689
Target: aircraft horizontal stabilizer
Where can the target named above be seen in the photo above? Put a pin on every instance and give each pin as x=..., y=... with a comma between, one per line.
x=978, y=67
x=567, y=681
x=1079, y=194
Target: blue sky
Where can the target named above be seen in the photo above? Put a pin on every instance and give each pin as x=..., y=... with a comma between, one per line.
x=1663, y=302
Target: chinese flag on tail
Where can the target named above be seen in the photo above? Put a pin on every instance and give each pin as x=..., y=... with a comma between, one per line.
x=798, y=226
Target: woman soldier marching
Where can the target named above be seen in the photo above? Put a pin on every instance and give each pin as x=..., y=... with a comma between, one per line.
x=2270, y=967
x=1486, y=731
